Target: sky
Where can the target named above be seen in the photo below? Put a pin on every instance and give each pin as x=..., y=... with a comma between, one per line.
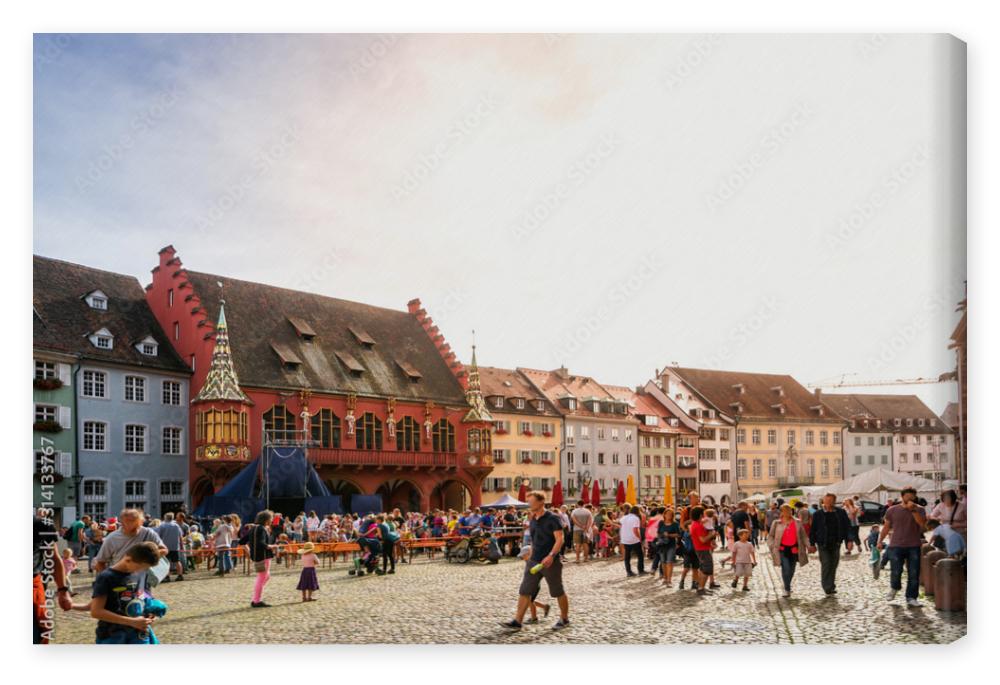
x=614, y=204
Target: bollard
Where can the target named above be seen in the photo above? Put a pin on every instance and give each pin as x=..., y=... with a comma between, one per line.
x=926, y=549
x=930, y=559
x=949, y=585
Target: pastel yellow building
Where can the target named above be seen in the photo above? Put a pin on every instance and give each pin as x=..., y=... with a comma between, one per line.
x=527, y=433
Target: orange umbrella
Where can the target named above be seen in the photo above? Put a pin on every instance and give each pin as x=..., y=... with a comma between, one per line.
x=557, y=495
x=595, y=496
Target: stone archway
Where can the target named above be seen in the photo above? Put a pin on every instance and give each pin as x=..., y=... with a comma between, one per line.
x=402, y=494
x=343, y=488
x=201, y=489
x=452, y=494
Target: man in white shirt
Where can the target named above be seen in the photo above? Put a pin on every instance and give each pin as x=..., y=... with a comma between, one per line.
x=583, y=523
x=631, y=539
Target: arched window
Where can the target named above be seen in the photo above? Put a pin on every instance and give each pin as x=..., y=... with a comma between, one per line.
x=474, y=445
x=408, y=434
x=279, y=423
x=443, y=436
x=369, y=432
x=325, y=427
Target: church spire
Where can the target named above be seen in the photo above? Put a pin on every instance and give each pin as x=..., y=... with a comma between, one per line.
x=473, y=391
x=221, y=383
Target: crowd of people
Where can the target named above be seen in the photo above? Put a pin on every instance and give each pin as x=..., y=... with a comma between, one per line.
x=686, y=538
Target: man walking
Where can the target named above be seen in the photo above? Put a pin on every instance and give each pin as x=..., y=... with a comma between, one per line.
x=172, y=536
x=547, y=540
x=583, y=525
x=830, y=528
x=702, y=539
x=904, y=525
x=631, y=539
x=130, y=533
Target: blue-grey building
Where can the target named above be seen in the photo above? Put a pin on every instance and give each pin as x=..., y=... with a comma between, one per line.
x=130, y=389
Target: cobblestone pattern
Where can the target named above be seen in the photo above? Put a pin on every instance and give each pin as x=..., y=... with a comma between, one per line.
x=437, y=602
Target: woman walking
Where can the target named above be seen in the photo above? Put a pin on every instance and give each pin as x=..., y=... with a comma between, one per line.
x=260, y=553
x=854, y=538
x=789, y=546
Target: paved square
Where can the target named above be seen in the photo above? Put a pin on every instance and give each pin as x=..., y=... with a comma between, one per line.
x=437, y=602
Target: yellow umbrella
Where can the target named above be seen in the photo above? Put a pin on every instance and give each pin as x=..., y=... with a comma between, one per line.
x=668, y=493
x=630, y=491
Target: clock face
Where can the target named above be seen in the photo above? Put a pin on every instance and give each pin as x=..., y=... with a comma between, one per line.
x=472, y=460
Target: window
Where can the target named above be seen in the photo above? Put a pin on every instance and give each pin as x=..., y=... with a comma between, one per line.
x=46, y=412
x=45, y=370
x=657, y=482
x=614, y=433
x=135, y=389
x=600, y=458
x=407, y=434
x=170, y=297
x=836, y=437
x=943, y=458
x=584, y=458
x=772, y=468
x=585, y=432
x=756, y=469
x=222, y=426
x=95, y=436
x=706, y=454
x=657, y=462
x=706, y=476
x=724, y=476
x=823, y=438
x=135, y=494
x=857, y=460
x=809, y=437
x=600, y=432
x=135, y=438
x=902, y=439
x=498, y=402
x=871, y=441
x=811, y=468
x=474, y=440
x=646, y=461
x=707, y=433
x=519, y=403
x=171, y=490
x=279, y=424
x=657, y=441
x=836, y=467
x=824, y=467
x=790, y=437
x=628, y=435
x=755, y=436
x=792, y=469
x=148, y=349
x=368, y=432
x=104, y=342
x=171, y=393
x=570, y=461
x=916, y=457
x=741, y=436
x=723, y=434
x=916, y=439
x=902, y=457
x=857, y=441
x=95, y=384
x=772, y=436
x=172, y=440
x=885, y=458
x=98, y=300
x=526, y=457
x=177, y=330
x=649, y=481
x=724, y=454
x=443, y=436
x=741, y=468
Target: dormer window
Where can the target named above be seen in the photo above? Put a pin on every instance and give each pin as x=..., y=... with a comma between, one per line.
x=498, y=402
x=920, y=422
x=352, y=364
x=740, y=388
x=147, y=346
x=410, y=371
x=909, y=423
x=695, y=412
x=933, y=422
x=896, y=422
x=362, y=337
x=595, y=407
x=779, y=390
x=539, y=405
x=571, y=404
x=102, y=339
x=519, y=403
x=97, y=300
x=780, y=407
x=289, y=360
x=302, y=328
x=865, y=423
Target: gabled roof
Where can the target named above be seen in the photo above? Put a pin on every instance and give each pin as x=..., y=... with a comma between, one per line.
x=258, y=317
x=560, y=383
x=890, y=407
x=510, y=383
x=950, y=415
x=63, y=319
x=759, y=396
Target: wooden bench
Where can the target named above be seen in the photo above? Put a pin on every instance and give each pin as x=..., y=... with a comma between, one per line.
x=431, y=545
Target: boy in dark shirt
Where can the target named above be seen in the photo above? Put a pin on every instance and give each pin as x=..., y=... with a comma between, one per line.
x=114, y=588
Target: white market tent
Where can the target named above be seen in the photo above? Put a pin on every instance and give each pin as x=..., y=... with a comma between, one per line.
x=881, y=481
x=504, y=502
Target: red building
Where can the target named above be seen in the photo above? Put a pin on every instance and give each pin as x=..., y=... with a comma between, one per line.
x=381, y=399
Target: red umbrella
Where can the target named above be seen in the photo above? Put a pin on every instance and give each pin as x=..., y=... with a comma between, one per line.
x=620, y=495
x=585, y=494
x=557, y=496
x=595, y=497
x=522, y=494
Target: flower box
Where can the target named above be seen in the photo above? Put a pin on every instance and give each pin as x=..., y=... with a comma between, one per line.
x=527, y=433
x=527, y=461
x=47, y=383
x=47, y=426
x=547, y=462
x=498, y=460
x=501, y=431
x=547, y=434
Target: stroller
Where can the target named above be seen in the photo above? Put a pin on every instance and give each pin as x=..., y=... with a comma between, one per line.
x=367, y=562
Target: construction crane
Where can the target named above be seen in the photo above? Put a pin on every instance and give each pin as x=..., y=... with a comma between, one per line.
x=844, y=383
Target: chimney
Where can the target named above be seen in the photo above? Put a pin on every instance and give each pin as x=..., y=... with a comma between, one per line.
x=819, y=394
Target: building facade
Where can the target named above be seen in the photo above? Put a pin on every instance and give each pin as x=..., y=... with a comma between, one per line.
x=384, y=403
x=527, y=433
x=53, y=440
x=599, y=441
x=129, y=388
x=918, y=441
x=683, y=443
x=866, y=441
x=782, y=436
x=658, y=432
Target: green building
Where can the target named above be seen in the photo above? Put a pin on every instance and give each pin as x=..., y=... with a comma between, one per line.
x=54, y=435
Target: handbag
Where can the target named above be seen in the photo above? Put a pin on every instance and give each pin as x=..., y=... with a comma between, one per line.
x=260, y=566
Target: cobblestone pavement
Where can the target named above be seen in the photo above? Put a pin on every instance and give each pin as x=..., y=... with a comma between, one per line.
x=433, y=601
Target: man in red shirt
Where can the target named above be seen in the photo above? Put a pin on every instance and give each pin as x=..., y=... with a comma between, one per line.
x=702, y=539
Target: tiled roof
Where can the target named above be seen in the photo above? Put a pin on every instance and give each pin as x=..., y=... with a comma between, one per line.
x=647, y=405
x=760, y=397
x=950, y=415
x=560, y=383
x=509, y=383
x=847, y=406
x=261, y=317
x=63, y=319
x=903, y=407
